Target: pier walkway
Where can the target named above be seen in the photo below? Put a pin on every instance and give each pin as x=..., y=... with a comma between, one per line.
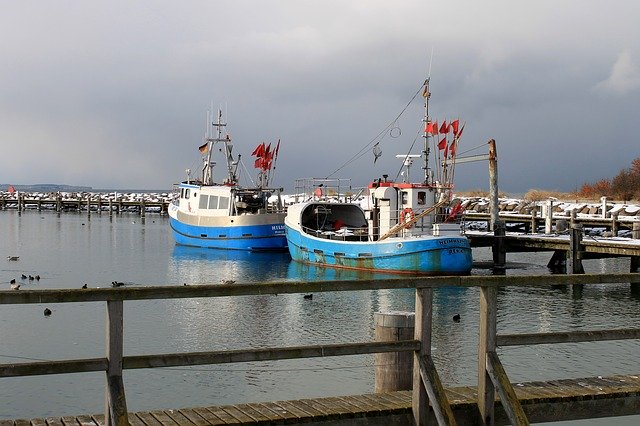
x=541, y=401
x=519, y=403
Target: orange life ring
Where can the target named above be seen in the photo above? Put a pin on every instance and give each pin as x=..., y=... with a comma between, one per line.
x=407, y=212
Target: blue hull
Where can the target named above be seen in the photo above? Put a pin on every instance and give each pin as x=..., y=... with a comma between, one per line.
x=428, y=256
x=250, y=237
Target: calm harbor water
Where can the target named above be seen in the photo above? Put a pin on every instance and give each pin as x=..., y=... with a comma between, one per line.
x=71, y=249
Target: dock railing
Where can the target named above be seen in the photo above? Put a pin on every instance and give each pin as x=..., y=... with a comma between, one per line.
x=427, y=386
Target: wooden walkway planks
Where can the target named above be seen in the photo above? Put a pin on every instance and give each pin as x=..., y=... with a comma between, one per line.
x=555, y=393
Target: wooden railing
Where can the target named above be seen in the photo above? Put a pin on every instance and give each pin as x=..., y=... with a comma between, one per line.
x=427, y=386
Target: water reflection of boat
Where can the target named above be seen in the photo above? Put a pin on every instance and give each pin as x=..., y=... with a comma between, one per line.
x=198, y=265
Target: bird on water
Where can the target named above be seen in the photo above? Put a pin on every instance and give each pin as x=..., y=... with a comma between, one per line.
x=116, y=284
x=47, y=312
x=13, y=257
x=456, y=318
x=308, y=296
x=84, y=286
x=23, y=276
x=15, y=286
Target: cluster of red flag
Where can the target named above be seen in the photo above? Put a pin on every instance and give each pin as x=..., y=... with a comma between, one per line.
x=265, y=156
x=445, y=129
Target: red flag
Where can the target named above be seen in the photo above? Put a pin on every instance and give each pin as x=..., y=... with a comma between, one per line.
x=429, y=127
x=435, y=127
x=259, y=151
x=452, y=148
x=204, y=148
x=446, y=150
x=444, y=128
x=258, y=163
x=460, y=132
x=442, y=144
x=454, y=125
x=11, y=189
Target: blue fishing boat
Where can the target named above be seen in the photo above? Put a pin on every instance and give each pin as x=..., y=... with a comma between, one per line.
x=406, y=228
x=226, y=215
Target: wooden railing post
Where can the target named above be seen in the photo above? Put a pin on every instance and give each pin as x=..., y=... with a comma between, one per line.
x=486, y=344
x=422, y=332
x=115, y=401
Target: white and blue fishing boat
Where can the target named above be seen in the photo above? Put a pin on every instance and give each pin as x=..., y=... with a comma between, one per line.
x=226, y=215
x=406, y=227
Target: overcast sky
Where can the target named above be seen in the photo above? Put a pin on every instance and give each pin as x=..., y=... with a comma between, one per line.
x=114, y=94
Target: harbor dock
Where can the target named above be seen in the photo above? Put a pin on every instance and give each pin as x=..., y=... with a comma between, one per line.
x=429, y=399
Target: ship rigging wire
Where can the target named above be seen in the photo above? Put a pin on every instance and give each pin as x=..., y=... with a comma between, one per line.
x=379, y=137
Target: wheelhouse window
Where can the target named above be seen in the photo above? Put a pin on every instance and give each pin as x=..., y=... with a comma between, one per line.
x=422, y=197
x=204, y=200
x=213, y=202
x=405, y=197
x=224, y=203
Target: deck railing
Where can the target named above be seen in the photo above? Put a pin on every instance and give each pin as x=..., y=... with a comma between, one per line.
x=427, y=386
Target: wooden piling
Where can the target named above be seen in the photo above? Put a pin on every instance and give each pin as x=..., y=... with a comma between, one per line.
x=493, y=183
x=534, y=221
x=614, y=224
x=393, y=370
x=548, y=219
x=498, y=247
x=635, y=260
x=574, y=255
x=143, y=208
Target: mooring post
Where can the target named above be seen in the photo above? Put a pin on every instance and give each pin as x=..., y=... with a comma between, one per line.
x=115, y=401
x=572, y=218
x=143, y=209
x=498, y=247
x=89, y=206
x=486, y=344
x=422, y=332
x=393, y=370
x=635, y=260
x=614, y=224
x=110, y=207
x=534, y=221
x=548, y=220
x=603, y=207
x=493, y=183
x=574, y=256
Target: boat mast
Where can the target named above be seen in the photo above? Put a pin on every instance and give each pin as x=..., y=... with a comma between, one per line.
x=425, y=152
x=226, y=141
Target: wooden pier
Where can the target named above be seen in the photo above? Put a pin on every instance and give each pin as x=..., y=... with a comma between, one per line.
x=428, y=401
x=87, y=202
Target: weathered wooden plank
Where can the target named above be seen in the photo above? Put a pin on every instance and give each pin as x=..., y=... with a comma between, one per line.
x=193, y=417
x=270, y=411
x=223, y=415
x=70, y=421
x=318, y=403
x=163, y=418
x=248, y=410
x=365, y=405
x=385, y=406
x=237, y=414
x=266, y=354
x=134, y=420
x=53, y=367
x=312, y=408
x=6, y=423
x=38, y=422
x=98, y=418
x=115, y=398
x=148, y=419
x=178, y=417
x=422, y=333
x=22, y=422
x=294, y=409
x=510, y=402
x=86, y=420
x=337, y=405
x=435, y=390
x=486, y=344
x=567, y=337
x=208, y=416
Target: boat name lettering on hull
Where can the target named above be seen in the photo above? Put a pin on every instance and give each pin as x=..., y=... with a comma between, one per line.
x=456, y=251
x=448, y=241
